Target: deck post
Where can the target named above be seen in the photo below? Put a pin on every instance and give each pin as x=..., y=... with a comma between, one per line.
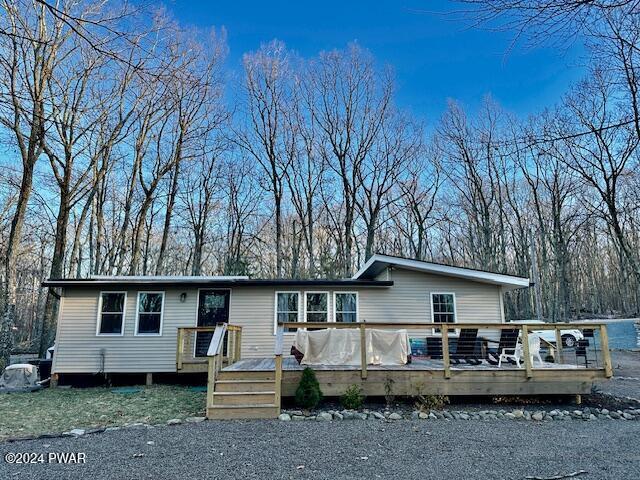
x=445, y=352
x=237, y=345
x=211, y=379
x=179, y=349
x=525, y=350
x=278, y=390
x=363, y=351
x=606, y=353
x=558, y=344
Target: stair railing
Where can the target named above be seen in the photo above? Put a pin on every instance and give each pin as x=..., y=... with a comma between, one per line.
x=214, y=355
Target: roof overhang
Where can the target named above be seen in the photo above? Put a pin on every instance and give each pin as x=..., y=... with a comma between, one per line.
x=208, y=282
x=379, y=263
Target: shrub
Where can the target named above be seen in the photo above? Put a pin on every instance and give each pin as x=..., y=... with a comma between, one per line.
x=352, y=398
x=308, y=393
x=431, y=402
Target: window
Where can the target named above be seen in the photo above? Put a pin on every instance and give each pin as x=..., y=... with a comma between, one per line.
x=150, y=307
x=287, y=309
x=111, y=313
x=346, y=307
x=316, y=307
x=443, y=309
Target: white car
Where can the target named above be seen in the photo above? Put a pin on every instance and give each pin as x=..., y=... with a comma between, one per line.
x=569, y=337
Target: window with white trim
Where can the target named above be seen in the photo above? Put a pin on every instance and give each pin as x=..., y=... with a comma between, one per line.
x=111, y=313
x=443, y=309
x=316, y=307
x=149, y=315
x=287, y=308
x=346, y=307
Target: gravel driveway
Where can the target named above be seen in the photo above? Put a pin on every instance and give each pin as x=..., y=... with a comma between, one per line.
x=347, y=449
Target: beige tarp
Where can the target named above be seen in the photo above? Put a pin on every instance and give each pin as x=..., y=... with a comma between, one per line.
x=342, y=346
x=19, y=376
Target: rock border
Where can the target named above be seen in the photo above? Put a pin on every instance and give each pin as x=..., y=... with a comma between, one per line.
x=585, y=414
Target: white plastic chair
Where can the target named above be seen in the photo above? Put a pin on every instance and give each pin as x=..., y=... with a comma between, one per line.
x=517, y=353
x=514, y=354
x=534, y=348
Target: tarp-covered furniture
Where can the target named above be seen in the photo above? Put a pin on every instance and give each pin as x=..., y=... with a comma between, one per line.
x=19, y=377
x=334, y=346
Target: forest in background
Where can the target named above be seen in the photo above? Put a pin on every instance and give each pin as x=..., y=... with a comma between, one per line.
x=130, y=148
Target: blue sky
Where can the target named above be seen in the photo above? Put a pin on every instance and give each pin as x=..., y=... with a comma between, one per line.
x=435, y=57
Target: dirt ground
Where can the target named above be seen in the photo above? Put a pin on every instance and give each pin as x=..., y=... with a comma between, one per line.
x=626, y=375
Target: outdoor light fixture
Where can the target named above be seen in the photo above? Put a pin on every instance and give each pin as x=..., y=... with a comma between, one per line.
x=183, y=297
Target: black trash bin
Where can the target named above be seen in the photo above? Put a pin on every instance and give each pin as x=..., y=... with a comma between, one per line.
x=44, y=367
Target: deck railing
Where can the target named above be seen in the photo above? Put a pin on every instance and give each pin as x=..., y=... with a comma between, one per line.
x=188, y=343
x=592, y=352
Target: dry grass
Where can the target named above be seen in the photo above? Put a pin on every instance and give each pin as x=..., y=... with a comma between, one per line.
x=58, y=409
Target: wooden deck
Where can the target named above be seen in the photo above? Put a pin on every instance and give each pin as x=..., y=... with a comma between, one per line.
x=254, y=387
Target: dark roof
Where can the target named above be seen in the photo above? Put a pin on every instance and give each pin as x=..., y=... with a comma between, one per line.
x=204, y=282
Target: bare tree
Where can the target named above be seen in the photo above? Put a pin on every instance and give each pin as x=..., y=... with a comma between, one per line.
x=352, y=101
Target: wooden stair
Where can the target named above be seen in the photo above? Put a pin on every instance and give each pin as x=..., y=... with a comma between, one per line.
x=243, y=395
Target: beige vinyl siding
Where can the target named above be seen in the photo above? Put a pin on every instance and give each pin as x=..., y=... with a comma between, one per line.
x=253, y=308
x=78, y=348
x=409, y=300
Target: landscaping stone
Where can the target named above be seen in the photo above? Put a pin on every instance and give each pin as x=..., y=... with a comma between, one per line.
x=518, y=413
x=538, y=416
x=174, y=421
x=614, y=415
x=360, y=416
x=424, y=415
x=627, y=416
x=77, y=432
x=337, y=416
x=297, y=418
x=377, y=415
x=510, y=416
x=285, y=417
x=324, y=417
x=195, y=419
x=395, y=416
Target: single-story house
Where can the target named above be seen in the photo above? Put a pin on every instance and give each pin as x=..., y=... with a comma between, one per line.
x=130, y=324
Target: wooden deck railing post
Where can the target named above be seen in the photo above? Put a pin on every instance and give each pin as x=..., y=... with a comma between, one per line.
x=606, y=353
x=525, y=350
x=238, y=345
x=363, y=351
x=278, y=378
x=180, y=349
x=445, y=352
x=558, y=345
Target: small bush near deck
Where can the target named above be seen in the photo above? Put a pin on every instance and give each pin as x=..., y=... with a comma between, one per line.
x=308, y=394
x=352, y=398
x=431, y=402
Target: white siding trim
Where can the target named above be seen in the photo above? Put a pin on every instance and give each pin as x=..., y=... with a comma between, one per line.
x=99, y=319
x=58, y=327
x=159, y=334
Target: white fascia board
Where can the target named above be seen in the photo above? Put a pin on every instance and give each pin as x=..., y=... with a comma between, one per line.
x=447, y=270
